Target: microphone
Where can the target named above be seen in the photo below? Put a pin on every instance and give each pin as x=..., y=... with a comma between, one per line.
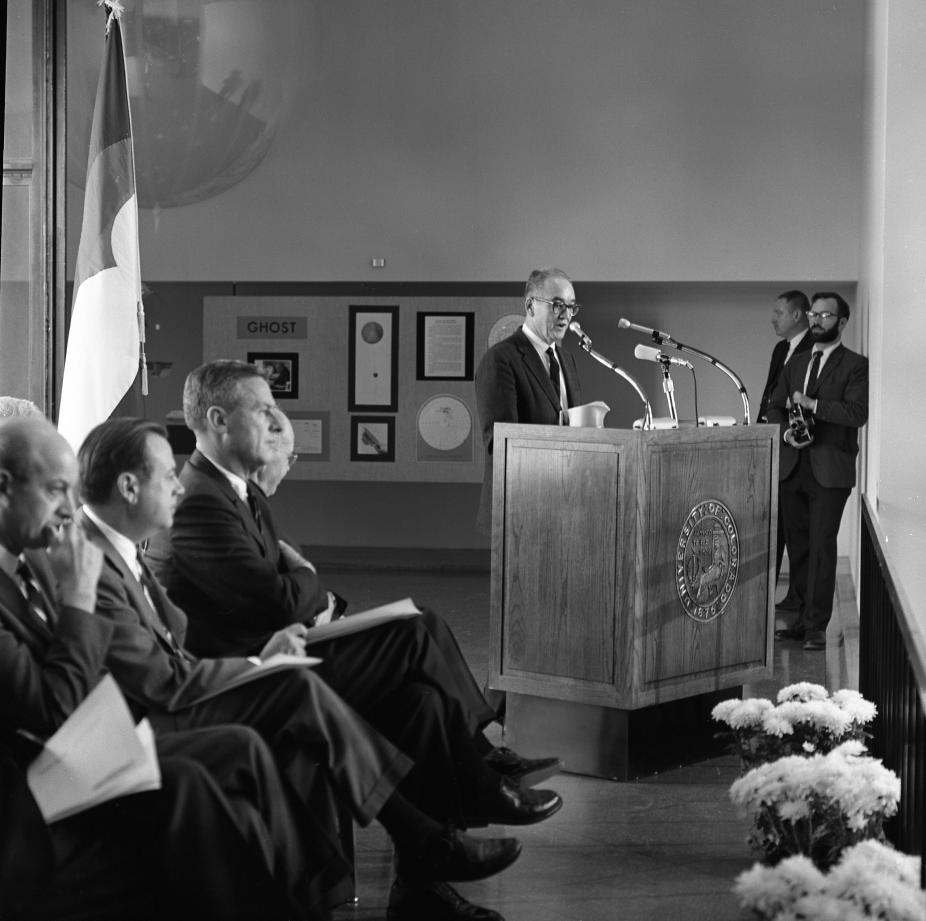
x=657, y=334
x=586, y=342
x=648, y=353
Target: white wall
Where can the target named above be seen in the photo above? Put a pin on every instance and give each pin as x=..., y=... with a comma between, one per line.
x=894, y=285
x=626, y=140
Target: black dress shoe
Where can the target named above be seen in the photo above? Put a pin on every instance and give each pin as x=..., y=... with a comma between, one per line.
x=790, y=633
x=523, y=771
x=457, y=857
x=433, y=902
x=814, y=640
x=510, y=804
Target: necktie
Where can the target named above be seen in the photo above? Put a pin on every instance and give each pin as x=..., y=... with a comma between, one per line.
x=34, y=597
x=812, y=377
x=148, y=583
x=254, y=506
x=555, y=379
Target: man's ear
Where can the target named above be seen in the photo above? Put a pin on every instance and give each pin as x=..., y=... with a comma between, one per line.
x=127, y=486
x=216, y=418
x=6, y=482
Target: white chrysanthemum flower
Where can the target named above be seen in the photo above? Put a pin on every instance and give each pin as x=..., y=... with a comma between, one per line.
x=777, y=724
x=860, y=711
x=803, y=690
x=721, y=713
x=768, y=890
x=793, y=810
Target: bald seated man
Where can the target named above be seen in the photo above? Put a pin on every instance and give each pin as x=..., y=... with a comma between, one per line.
x=216, y=841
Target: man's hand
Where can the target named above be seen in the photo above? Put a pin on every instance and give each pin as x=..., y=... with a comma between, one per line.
x=324, y=617
x=788, y=438
x=293, y=558
x=77, y=565
x=289, y=641
x=801, y=399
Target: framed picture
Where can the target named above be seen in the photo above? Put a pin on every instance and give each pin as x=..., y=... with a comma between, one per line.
x=445, y=346
x=281, y=370
x=373, y=354
x=372, y=438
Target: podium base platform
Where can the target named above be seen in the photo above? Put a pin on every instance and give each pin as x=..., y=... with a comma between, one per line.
x=616, y=744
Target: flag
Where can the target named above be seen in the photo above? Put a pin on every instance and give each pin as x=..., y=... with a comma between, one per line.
x=102, y=356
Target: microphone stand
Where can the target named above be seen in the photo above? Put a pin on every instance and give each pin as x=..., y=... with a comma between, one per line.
x=668, y=387
x=666, y=340
x=586, y=345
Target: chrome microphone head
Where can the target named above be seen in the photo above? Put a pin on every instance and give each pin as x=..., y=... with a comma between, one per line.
x=647, y=353
x=574, y=326
x=623, y=324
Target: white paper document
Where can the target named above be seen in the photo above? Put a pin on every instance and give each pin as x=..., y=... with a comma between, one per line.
x=97, y=755
x=364, y=620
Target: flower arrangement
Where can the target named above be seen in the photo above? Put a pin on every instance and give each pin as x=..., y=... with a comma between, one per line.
x=817, y=805
x=871, y=880
x=806, y=721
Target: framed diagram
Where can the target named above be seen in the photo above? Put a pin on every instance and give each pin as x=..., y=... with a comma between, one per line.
x=372, y=438
x=373, y=353
x=281, y=370
x=445, y=430
x=445, y=346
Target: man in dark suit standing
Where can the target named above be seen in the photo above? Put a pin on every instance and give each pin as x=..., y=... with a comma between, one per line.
x=830, y=384
x=789, y=320
x=528, y=377
x=215, y=841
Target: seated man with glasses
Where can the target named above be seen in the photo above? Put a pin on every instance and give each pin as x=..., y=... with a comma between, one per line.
x=529, y=377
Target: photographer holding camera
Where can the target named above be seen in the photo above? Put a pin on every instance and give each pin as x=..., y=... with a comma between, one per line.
x=820, y=402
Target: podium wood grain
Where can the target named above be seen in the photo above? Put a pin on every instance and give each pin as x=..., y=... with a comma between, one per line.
x=586, y=527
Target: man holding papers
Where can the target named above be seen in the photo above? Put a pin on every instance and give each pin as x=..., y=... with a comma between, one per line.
x=224, y=564
x=215, y=841
x=130, y=489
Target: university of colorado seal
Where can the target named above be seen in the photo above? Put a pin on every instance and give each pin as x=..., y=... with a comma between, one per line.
x=707, y=560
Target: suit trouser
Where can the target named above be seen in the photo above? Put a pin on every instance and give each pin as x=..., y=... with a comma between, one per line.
x=812, y=514
x=206, y=845
x=410, y=680
x=307, y=727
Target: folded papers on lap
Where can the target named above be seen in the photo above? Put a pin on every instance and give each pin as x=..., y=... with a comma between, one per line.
x=364, y=620
x=96, y=755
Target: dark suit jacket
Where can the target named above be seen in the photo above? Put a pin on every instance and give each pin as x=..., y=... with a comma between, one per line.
x=512, y=385
x=776, y=365
x=148, y=668
x=226, y=573
x=842, y=409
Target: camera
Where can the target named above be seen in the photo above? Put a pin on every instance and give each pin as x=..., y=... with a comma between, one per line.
x=801, y=426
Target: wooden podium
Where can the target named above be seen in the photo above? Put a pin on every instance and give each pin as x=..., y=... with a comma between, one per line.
x=632, y=585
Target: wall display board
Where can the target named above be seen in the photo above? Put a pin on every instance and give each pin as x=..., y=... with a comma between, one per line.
x=360, y=407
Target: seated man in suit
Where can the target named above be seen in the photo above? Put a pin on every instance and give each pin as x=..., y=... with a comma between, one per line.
x=830, y=384
x=130, y=488
x=216, y=841
x=525, y=771
x=224, y=564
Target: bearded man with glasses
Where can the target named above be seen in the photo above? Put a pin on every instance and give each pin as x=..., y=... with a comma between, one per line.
x=529, y=377
x=830, y=384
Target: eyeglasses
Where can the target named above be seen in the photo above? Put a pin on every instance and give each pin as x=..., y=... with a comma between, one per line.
x=821, y=315
x=559, y=307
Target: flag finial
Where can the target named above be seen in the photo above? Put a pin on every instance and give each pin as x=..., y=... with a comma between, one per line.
x=116, y=9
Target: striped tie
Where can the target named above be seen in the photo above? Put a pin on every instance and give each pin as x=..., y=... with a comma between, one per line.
x=34, y=596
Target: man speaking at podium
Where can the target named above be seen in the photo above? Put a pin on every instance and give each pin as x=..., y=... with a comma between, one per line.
x=529, y=377
x=830, y=383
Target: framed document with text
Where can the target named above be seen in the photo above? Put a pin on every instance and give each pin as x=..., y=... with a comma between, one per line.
x=445, y=346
